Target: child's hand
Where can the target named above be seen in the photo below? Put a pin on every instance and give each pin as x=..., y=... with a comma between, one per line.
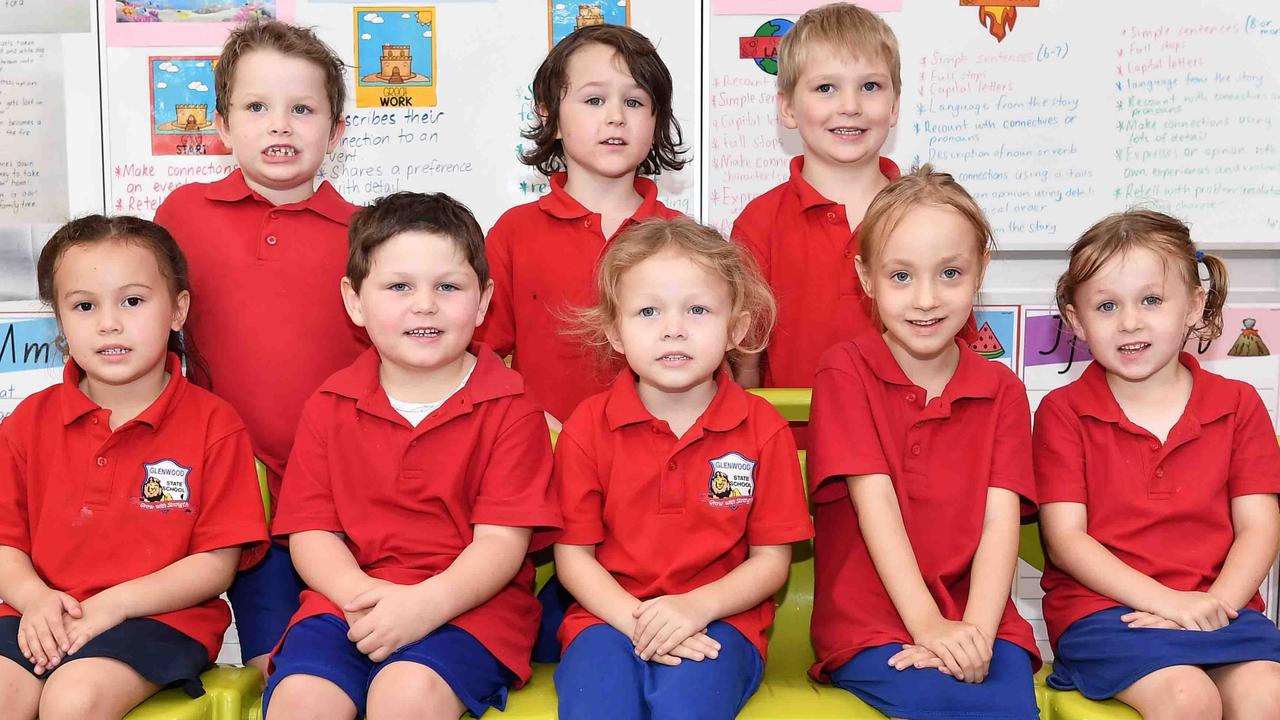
x=42, y=634
x=1139, y=619
x=1196, y=610
x=395, y=615
x=696, y=647
x=663, y=623
x=353, y=617
x=98, y=614
x=919, y=657
x=964, y=650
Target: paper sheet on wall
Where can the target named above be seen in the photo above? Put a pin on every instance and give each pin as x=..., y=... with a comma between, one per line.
x=29, y=361
x=44, y=16
x=33, y=162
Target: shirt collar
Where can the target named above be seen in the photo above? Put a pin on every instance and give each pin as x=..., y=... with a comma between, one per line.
x=728, y=408
x=974, y=377
x=75, y=404
x=560, y=204
x=810, y=197
x=324, y=201
x=1209, y=399
x=490, y=379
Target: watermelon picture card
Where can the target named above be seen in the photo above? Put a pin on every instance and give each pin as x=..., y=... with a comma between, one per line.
x=998, y=334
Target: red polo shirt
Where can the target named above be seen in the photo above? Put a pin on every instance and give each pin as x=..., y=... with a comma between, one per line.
x=662, y=521
x=406, y=499
x=802, y=243
x=868, y=418
x=75, y=496
x=543, y=257
x=1163, y=509
x=266, y=311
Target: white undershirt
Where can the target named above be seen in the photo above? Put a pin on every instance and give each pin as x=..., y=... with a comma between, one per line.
x=415, y=413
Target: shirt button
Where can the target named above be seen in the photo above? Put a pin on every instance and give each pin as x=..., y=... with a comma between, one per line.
x=102, y=462
x=831, y=216
x=1159, y=472
x=1155, y=445
x=586, y=223
x=911, y=397
x=271, y=239
x=915, y=449
x=671, y=465
x=655, y=429
x=95, y=420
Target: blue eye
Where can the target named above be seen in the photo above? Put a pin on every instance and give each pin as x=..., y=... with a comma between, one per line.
x=634, y=103
x=595, y=101
x=447, y=287
x=870, y=86
x=1151, y=300
x=1107, y=307
x=901, y=276
x=256, y=106
x=301, y=109
x=648, y=312
x=950, y=273
x=698, y=310
x=398, y=287
x=826, y=88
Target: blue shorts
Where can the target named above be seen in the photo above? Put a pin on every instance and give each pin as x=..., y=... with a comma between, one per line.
x=154, y=650
x=1008, y=693
x=264, y=599
x=600, y=676
x=1100, y=656
x=319, y=646
x=555, y=600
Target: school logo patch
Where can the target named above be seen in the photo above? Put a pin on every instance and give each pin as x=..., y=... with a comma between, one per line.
x=733, y=481
x=165, y=486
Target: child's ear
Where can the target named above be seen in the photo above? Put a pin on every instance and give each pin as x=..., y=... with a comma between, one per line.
x=1073, y=321
x=1195, y=313
x=181, y=305
x=864, y=275
x=486, y=296
x=786, y=112
x=224, y=129
x=335, y=135
x=738, y=331
x=615, y=340
x=351, y=301
x=544, y=117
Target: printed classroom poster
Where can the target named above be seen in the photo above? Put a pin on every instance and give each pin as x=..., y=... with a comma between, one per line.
x=150, y=23
x=564, y=17
x=182, y=107
x=395, y=56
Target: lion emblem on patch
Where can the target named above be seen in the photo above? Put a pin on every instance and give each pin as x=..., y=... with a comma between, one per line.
x=733, y=481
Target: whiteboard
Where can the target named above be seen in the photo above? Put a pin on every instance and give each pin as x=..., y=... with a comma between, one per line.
x=1084, y=108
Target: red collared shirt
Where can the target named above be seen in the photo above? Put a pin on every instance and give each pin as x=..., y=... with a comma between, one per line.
x=1163, y=509
x=266, y=311
x=543, y=257
x=406, y=499
x=75, y=496
x=802, y=243
x=942, y=457
x=662, y=521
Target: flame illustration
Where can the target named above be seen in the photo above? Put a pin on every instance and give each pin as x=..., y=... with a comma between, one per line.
x=999, y=19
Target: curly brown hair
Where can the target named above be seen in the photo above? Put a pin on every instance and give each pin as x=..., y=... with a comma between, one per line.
x=551, y=81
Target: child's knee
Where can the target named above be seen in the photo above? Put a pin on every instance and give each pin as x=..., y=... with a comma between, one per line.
x=410, y=690
x=1190, y=695
x=309, y=696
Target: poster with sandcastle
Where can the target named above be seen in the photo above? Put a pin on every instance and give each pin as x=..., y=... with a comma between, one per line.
x=564, y=17
x=395, y=56
x=182, y=107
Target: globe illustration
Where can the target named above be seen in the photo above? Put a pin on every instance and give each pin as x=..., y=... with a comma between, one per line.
x=776, y=27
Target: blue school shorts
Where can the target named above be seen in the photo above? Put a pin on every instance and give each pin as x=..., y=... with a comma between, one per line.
x=154, y=650
x=555, y=601
x=600, y=676
x=264, y=599
x=1008, y=692
x=1099, y=655
x=319, y=646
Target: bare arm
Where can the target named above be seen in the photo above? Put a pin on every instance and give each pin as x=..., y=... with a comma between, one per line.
x=994, y=562
x=482, y=569
x=1256, y=520
x=183, y=584
x=324, y=562
x=594, y=587
x=19, y=583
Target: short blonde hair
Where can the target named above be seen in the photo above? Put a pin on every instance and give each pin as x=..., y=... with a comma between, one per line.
x=705, y=246
x=846, y=30
x=920, y=186
x=1163, y=235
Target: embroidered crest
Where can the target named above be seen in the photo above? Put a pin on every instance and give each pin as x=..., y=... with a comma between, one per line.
x=733, y=481
x=165, y=486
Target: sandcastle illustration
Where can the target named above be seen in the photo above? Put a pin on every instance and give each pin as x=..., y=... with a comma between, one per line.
x=188, y=118
x=396, y=67
x=1250, y=343
x=588, y=15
